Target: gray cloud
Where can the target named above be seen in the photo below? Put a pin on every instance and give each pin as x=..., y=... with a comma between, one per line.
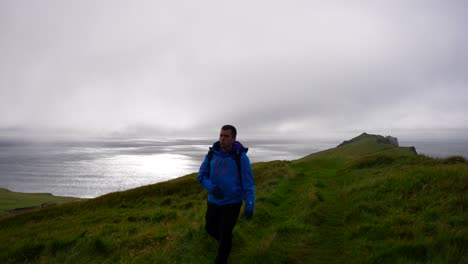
x=301, y=68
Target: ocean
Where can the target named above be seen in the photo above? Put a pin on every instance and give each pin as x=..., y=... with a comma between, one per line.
x=92, y=168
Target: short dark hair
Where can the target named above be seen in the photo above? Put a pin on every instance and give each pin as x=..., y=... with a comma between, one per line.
x=232, y=128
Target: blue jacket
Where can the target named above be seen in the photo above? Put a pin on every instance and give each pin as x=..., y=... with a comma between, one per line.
x=223, y=172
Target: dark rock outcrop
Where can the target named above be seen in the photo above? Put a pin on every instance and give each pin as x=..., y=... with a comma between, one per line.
x=413, y=149
x=387, y=140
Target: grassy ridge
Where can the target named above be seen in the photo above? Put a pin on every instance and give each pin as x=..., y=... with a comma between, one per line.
x=392, y=208
x=360, y=203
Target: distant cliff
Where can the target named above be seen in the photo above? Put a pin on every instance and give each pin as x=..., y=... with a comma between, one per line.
x=379, y=139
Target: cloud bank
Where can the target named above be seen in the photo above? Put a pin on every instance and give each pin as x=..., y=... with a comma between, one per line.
x=272, y=68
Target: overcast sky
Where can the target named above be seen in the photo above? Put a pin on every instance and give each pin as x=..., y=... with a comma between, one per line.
x=273, y=68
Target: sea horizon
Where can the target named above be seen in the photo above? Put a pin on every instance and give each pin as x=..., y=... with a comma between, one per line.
x=91, y=168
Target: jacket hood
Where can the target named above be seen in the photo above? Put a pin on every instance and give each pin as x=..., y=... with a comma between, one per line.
x=237, y=147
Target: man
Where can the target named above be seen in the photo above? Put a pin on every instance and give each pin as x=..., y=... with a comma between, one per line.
x=226, y=173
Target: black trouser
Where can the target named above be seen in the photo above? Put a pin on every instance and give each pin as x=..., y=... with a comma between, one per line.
x=220, y=221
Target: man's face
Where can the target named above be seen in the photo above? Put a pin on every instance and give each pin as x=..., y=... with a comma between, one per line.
x=226, y=140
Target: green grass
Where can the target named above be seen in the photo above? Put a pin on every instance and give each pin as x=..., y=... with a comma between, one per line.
x=364, y=202
x=13, y=200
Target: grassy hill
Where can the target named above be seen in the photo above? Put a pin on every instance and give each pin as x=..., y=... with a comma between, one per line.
x=363, y=202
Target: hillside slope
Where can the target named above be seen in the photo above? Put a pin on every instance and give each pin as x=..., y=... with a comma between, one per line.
x=364, y=202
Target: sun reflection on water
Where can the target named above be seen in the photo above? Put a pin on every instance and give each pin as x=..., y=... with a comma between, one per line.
x=123, y=172
x=151, y=165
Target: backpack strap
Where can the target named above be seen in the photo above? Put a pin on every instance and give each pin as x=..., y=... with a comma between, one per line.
x=238, y=162
x=210, y=156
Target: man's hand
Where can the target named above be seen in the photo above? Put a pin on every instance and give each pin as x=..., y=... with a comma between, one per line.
x=217, y=193
x=249, y=208
x=248, y=214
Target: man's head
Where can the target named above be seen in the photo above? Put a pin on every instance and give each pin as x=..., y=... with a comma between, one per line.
x=227, y=137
